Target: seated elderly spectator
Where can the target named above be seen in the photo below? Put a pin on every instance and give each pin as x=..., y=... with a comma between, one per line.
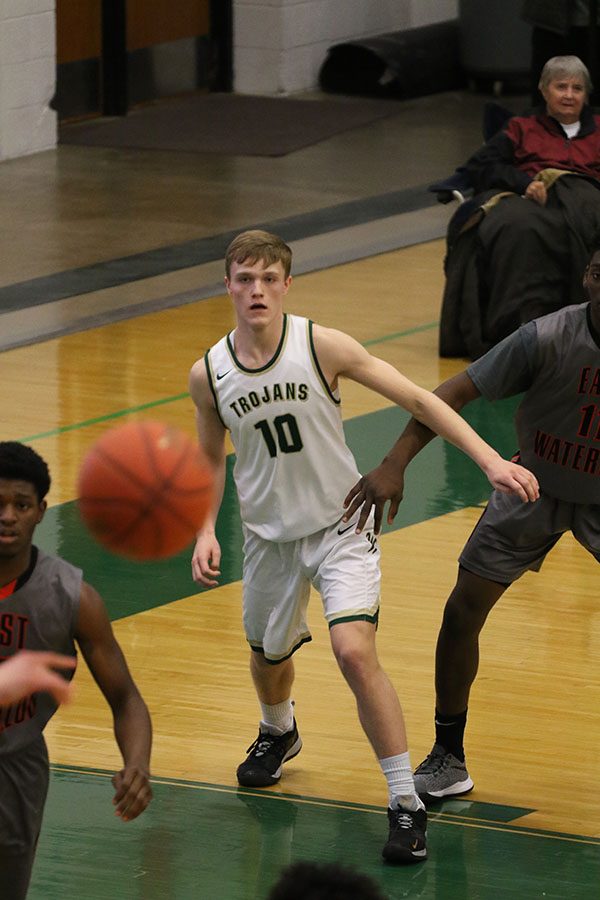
x=522, y=250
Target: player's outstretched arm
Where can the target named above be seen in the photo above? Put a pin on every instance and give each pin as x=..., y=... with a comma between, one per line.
x=133, y=729
x=345, y=356
x=386, y=482
x=206, y=558
x=34, y=670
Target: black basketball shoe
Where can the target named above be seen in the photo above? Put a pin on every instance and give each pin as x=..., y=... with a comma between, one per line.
x=266, y=757
x=407, y=841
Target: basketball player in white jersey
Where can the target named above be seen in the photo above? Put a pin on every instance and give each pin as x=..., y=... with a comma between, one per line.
x=273, y=383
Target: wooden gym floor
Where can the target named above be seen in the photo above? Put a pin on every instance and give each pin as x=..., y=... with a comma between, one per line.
x=531, y=827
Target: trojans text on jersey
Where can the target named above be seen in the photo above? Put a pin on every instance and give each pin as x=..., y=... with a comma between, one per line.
x=271, y=393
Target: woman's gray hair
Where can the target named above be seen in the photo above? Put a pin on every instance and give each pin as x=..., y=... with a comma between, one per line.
x=565, y=67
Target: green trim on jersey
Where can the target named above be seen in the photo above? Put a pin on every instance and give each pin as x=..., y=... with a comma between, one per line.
x=271, y=362
x=318, y=369
x=212, y=386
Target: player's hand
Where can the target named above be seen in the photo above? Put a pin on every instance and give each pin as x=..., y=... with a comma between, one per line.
x=511, y=478
x=384, y=483
x=33, y=670
x=206, y=559
x=132, y=792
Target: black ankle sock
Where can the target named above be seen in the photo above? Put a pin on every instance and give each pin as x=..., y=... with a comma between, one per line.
x=449, y=732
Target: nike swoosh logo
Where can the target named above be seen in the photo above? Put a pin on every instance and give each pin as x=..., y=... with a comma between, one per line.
x=222, y=374
x=348, y=527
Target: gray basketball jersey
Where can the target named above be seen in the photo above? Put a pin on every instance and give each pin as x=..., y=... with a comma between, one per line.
x=559, y=419
x=556, y=360
x=39, y=615
x=293, y=467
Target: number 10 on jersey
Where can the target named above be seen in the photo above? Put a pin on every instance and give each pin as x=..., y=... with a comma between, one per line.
x=283, y=433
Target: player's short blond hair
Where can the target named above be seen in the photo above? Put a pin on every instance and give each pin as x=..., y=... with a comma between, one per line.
x=250, y=246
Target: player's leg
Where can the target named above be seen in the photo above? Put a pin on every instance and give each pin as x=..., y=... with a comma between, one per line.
x=444, y=773
x=273, y=682
x=275, y=599
x=381, y=717
x=24, y=777
x=510, y=538
x=278, y=739
x=345, y=571
x=379, y=709
x=457, y=650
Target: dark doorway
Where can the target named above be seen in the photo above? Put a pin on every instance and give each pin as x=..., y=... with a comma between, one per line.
x=114, y=54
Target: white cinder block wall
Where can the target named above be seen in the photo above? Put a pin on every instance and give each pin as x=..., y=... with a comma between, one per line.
x=27, y=76
x=280, y=45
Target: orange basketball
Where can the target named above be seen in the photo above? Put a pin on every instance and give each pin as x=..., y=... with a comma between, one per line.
x=144, y=490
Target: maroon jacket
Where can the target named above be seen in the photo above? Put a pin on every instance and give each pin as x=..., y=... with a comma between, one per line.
x=530, y=143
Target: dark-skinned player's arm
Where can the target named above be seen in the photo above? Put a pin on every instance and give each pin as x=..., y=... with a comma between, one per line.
x=133, y=729
x=386, y=482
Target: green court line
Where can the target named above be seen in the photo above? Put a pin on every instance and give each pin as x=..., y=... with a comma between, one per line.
x=503, y=821
x=401, y=334
x=118, y=414
x=107, y=418
x=193, y=844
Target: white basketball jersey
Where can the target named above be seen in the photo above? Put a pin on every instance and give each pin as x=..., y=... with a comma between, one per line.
x=293, y=467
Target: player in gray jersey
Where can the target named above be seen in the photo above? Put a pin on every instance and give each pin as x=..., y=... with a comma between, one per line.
x=46, y=606
x=555, y=361
x=273, y=384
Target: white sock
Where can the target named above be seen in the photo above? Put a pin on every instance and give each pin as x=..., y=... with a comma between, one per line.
x=277, y=719
x=401, y=785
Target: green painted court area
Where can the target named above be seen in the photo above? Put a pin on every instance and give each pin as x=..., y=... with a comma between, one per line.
x=440, y=480
x=203, y=842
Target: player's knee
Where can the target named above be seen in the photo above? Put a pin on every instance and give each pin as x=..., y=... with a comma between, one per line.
x=462, y=615
x=355, y=661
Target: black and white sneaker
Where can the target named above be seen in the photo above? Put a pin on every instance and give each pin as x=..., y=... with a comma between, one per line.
x=266, y=757
x=407, y=841
x=441, y=776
